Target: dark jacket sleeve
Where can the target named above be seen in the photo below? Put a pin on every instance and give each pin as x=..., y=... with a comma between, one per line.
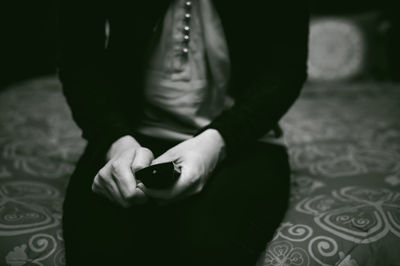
x=82, y=71
x=268, y=50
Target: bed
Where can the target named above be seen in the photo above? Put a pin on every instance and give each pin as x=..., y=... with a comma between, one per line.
x=344, y=146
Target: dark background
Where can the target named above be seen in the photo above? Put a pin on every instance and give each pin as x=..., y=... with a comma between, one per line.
x=29, y=35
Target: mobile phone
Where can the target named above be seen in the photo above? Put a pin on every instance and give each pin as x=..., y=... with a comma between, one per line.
x=159, y=176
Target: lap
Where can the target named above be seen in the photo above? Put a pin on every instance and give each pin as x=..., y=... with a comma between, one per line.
x=242, y=205
x=239, y=210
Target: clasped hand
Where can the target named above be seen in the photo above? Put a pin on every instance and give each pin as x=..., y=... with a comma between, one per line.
x=196, y=158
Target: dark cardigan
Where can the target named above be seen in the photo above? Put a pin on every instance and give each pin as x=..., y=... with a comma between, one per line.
x=102, y=83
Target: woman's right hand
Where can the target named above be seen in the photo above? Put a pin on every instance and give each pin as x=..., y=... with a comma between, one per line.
x=116, y=180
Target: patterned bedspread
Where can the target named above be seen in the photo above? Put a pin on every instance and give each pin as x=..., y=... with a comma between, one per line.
x=344, y=142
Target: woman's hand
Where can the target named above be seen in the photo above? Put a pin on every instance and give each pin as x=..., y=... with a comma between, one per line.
x=196, y=158
x=116, y=179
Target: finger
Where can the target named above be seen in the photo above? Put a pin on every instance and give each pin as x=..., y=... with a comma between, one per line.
x=101, y=190
x=143, y=158
x=123, y=176
x=168, y=156
x=107, y=182
x=142, y=188
x=98, y=189
x=141, y=197
x=124, y=167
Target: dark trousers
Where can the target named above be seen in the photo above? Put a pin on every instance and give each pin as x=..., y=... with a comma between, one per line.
x=228, y=223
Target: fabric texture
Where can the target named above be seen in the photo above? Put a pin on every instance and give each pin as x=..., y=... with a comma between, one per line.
x=331, y=144
x=104, y=85
x=188, y=72
x=220, y=226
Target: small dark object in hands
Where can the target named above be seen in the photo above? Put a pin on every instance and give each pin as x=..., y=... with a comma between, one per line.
x=159, y=176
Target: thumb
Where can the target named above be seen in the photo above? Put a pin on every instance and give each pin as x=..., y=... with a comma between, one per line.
x=168, y=156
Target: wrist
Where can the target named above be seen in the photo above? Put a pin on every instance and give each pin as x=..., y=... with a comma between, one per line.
x=217, y=139
x=122, y=144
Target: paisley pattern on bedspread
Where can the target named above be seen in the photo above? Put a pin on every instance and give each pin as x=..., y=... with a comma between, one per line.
x=344, y=145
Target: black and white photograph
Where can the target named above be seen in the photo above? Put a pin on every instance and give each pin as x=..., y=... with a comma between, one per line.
x=200, y=133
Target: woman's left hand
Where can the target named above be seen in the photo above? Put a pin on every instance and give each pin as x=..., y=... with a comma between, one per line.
x=196, y=158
